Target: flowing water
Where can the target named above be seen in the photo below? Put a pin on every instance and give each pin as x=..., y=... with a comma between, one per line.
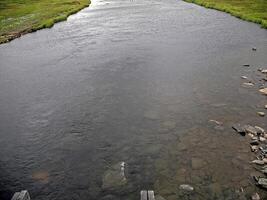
x=136, y=82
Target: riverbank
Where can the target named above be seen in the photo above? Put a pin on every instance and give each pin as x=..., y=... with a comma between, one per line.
x=253, y=11
x=19, y=17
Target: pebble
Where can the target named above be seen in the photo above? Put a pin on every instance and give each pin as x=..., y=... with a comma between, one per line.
x=258, y=162
x=262, y=139
x=255, y=196
x=262, y=182
x=244, y=77
x=263, y=91
x=248, y=84
x=186, y=187
x=250, y=129
x=262, y=114
x=253, y=148
x=259, y=130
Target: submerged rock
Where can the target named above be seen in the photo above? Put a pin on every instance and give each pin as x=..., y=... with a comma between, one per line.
x=197, y=163
x=238, y=128
x=114, y=177
x=186, y=187
x=158, y=197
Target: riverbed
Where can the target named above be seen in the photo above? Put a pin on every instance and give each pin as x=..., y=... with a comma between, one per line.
x=135, y=82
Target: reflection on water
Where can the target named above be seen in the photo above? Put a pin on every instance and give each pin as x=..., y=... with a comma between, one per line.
x=151, y=84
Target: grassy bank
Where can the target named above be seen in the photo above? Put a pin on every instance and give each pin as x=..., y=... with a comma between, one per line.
x=18, y=17
x=250, y=10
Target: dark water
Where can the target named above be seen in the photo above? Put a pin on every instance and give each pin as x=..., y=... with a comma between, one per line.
x=133, y=81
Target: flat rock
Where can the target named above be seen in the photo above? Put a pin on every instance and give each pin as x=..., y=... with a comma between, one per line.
x=114, y=177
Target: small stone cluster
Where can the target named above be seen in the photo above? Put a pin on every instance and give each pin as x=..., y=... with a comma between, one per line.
x=258, y=145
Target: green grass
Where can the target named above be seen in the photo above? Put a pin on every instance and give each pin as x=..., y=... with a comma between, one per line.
x=18, y=17
x=250, y=10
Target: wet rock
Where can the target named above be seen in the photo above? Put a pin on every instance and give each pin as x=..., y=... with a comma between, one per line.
x=114, y=177
x=248, y=84
x=258, y=162
x=262, y=114
x=239, y=129
x=262, y=182
x=263, y=91
x=254, y=148
x=259, y=130
x=262, y=139
x=255, y=196
x=197, y=163
x=250, y=129
x=186, y=187
x=254, y=142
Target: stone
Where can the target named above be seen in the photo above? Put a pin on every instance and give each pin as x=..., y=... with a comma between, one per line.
x=254, y=49
x=244, y=77
x=264, y=71
x=254, y=142
x=197, y=163
x=265, y=106
x=258, y=162
x=114, y=177
x=262, y=182
x=22, y=195
x=186, y=187
x=262, y=139
x=263, y=91
x=248, y=84
x=251, y=135
x=262, y=114
x=239, y=129
x=255, y=196
x=259, y=130
x=246, y=65
x=250, y=129
x=254, y=148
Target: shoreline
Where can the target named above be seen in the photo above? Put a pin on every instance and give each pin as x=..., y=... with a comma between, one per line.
x=45, y=23
x=232, y=10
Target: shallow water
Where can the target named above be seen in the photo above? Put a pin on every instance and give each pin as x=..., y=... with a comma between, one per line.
x=133, y=81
